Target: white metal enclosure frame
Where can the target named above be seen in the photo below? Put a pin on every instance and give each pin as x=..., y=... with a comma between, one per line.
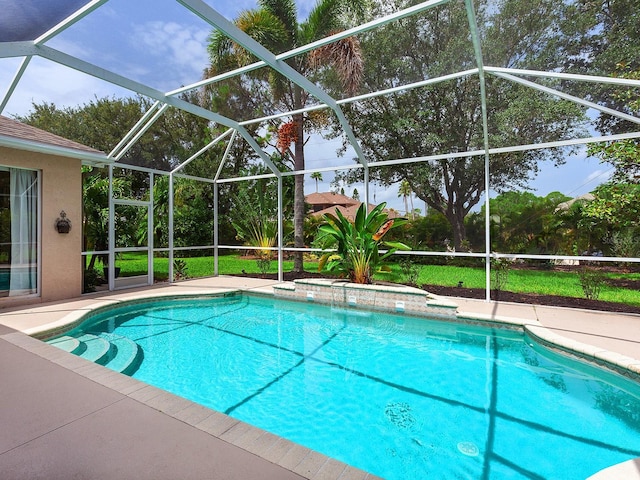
x=27, y=49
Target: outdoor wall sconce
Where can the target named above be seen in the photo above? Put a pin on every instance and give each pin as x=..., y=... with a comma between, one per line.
x=63, y=224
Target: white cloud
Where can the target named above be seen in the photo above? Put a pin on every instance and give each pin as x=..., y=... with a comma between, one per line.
x=45, y=81
x=178, y=50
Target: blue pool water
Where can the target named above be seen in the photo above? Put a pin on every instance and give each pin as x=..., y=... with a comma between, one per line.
x=400, y=397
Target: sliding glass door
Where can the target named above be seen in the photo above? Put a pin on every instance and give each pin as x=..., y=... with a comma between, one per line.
x=18, y=232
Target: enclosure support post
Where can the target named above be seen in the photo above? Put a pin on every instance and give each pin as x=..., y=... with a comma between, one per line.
x=112, y=240
x=366, y=186
x=477, y=47
x=280, y=231
x=171, y=227
x=150, y=230
x=215, y=229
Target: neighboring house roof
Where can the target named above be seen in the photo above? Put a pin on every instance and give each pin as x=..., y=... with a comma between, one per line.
x=327, y=199
x=347, y=206
x=19, y=135
x=587, y=197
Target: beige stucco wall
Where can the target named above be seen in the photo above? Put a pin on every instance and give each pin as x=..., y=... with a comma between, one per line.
x=61, y=187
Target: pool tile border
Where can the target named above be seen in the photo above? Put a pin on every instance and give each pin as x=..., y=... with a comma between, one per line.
x=307, y=463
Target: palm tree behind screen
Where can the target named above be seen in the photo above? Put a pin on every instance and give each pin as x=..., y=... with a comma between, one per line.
x=317, y=176
x=275, y=25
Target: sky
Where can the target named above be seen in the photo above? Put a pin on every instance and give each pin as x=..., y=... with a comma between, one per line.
x=160, y=43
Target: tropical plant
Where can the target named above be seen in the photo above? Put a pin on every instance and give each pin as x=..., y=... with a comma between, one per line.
x=254, y=218
x=275, y=25
x=357, y=243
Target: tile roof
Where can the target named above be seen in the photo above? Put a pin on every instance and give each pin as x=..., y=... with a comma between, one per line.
x=22, y=131
x=350, y=211
x=329, y=198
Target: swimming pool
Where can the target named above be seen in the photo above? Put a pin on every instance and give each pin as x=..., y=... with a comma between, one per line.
x=397, y=396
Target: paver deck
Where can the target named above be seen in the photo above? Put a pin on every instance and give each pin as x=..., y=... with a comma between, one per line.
x=64, y=417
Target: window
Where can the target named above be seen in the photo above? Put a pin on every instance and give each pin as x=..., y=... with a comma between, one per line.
x=18, y=232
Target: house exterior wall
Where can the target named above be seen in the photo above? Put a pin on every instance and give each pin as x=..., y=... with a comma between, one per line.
x=61, y=189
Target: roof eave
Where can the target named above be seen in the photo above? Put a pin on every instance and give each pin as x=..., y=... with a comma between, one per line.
x=87, y=158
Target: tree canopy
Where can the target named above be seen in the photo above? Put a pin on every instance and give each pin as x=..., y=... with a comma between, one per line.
x=447, y=117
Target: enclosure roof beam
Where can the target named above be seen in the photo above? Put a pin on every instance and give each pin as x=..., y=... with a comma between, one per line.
x=219, y=22
x=134, y=129
x=116, y=79
x=202, y=150
x=571, y=98
x=14, y=82
x=66, y=23
x=407, y=12
x=141, y=132
x=566, y=76
x=225, y=156
x=367, y=96
x=70, y=20
x=510, y=149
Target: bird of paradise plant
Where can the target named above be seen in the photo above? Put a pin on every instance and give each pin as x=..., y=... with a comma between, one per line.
x=357, y=255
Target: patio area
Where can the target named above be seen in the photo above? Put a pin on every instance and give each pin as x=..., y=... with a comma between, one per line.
x=64, y=417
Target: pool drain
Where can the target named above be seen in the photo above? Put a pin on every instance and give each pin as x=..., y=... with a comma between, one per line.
x=399, y=414
x=468, y=448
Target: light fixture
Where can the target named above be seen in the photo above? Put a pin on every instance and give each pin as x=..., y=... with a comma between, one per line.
x=63, y=224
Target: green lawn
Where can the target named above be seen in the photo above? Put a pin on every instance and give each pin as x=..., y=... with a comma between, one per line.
x=543, y=282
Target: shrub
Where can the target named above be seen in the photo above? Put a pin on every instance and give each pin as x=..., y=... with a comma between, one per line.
x=591, y=281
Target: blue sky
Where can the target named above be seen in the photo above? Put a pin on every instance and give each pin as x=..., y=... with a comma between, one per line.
x=160, y=43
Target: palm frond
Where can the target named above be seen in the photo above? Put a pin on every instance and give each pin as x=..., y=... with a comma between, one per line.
x=286, y=11
x=345, y=56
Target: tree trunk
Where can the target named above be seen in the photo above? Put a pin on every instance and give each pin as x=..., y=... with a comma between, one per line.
x=459, y=231
x=298, y=196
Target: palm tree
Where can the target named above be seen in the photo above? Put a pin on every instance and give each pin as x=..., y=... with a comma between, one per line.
x=406, y=192
x=316, y=176
x=275, y=25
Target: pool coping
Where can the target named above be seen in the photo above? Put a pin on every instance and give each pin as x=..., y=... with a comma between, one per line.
x=296, y=458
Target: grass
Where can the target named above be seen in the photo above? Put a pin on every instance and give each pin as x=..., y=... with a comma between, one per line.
x=542, y=282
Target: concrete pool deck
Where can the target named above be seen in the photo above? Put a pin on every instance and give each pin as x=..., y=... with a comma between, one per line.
x=64, y=417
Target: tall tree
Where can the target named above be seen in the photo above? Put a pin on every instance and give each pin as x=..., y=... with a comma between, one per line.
x=406, y=193
x=317, y=176
x=447, y=117
x=275, y=25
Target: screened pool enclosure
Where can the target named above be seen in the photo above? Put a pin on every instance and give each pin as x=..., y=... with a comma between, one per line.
x=463, y=99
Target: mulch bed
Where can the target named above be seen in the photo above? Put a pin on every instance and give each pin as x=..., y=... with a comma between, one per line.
x=503, y=296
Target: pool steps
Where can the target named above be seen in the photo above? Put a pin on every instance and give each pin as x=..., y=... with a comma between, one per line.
x=112, y=351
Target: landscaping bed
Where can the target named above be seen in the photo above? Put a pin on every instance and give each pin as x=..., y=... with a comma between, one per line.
x=504, y=296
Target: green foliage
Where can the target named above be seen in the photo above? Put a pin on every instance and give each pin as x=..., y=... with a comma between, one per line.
x=591, y=281
x=520, y=222
x=624, y=155
x=410, y=270
x=275, y=25
x=264, y=263
x=254, y=217
x=617, y=205
x=625, y=243
x=92, y=279
x=95, y=191
x=500, y=268
x=180, y=269
x=447, y=117
x=357, y=243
